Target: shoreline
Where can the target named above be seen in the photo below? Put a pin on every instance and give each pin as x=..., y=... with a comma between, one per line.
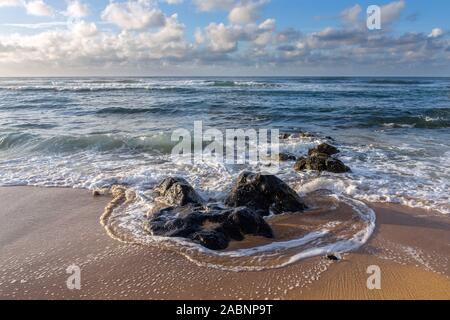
x=46, y=230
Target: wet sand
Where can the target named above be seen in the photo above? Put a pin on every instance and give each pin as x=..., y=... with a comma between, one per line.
x=44, y=231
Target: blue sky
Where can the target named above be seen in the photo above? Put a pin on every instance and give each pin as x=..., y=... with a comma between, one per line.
x=229, y=37
x=307, y=15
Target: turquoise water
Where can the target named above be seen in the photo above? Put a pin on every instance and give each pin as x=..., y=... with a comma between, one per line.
x=94, y=132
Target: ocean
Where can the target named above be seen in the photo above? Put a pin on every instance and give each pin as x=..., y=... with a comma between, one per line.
x=92, y=133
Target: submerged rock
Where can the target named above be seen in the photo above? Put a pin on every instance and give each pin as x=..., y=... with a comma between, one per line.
x=334, y=257
x=212, y=229
x=315, y=162
x=213, y=240
x=298, y=135
x=100, y=192
x=284, y=136
x=248, y=222
x=301, y=164
x=265, y=194
x=283, y=157
x=336, y=166
x=320, y=159
x=177, y=192
x=175, y=222
x=324, y=148
x=307, y=135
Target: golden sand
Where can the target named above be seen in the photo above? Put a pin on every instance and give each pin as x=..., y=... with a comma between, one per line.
x=44, y=231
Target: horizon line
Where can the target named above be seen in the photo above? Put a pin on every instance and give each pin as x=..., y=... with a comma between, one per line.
x=228, y=76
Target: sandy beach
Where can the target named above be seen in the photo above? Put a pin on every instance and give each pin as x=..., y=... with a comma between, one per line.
x=194, y=150
x=45, y=230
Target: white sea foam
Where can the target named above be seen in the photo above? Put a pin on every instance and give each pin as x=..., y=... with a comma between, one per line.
x=126, y=225
x=397, y=125
x=378, y=174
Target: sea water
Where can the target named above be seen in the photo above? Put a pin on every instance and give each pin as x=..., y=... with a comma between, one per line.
x=91, y=133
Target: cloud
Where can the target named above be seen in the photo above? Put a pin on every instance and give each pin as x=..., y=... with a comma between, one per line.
x=11, y=3
x=263, y=35
x=351, y=15
x=288, y=35
x=39, y=8
x=84, y=45
x=199, y=36
x=32, y=7
x=246, y=11
x=436, y=33
x=36, y=26
x=76, y=9
x=240, y=12
x=173, y=1
x=148, y=38
x=221, y=38
x=211, y=5
x=84, y=29
x=391, y=12
x=134, y=15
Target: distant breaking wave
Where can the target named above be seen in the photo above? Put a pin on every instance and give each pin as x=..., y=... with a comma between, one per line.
x=244, y=84
x=97, y=88
x=125, y=111
x=418, y=122
x=397, y=81
x=25, y=142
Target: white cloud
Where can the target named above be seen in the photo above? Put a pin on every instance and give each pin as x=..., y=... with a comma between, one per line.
x=199, y=36
x=83, y=45
x=77, y=9
x=134, y=15
x=39, y=8
x=36, y=26
x=32, y=7
x=246, y=11
x=148, y=37
x=11, y=3
x=264, y=33
x=173, y=1
x=436, y=33
x=223, y=38
x=351, y=15
x=211, y=5
x=240, y=11
x=84, y=29
x=391, y=11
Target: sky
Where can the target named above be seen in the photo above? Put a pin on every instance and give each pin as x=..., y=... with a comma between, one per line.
x=223, y=38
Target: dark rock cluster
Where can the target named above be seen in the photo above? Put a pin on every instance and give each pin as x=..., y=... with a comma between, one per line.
x=178, y=192
x=213, y=229
x=283, y=157
x=285, y=136
x=265, y=194
x=182, y=212
x=253, y=197
x=321, y=159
